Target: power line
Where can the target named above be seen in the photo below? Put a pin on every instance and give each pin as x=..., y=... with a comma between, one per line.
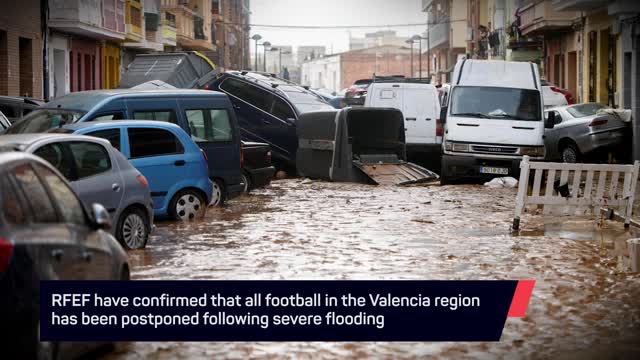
x=324, y=27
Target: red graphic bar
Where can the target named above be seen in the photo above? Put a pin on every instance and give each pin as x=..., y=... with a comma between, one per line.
x=521, y=297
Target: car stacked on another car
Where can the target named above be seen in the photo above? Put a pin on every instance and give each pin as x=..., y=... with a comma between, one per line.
x=46, y=234
x=175, y=167
x=555, y=96
x=98, y=173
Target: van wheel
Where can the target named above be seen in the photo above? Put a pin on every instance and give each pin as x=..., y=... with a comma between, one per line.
x=218, y=194
x=187, y=205
x=570, y=154
x=444, y=177
x=247, y=182
x=133, y=229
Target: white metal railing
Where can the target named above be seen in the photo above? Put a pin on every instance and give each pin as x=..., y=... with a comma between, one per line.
x=564, y=196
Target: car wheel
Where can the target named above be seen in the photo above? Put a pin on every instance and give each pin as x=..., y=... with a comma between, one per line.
x=187, y=205
x=570, y=154
x=217, y=195
x=133, y=229
x=444, y=178
x=247, y=182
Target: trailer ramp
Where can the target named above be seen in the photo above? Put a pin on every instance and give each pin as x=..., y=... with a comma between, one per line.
x=389, y=170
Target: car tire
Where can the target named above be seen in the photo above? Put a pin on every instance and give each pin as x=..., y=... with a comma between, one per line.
x=246, y=179
x=444, y=177
x=570, y=154
x=187, y=205
x=218, y=195
x=133, y=229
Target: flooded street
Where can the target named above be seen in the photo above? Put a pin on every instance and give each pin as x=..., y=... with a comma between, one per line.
x=585, y=303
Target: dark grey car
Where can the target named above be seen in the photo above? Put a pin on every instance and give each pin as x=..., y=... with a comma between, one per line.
x=46, y=234
x=98, y=174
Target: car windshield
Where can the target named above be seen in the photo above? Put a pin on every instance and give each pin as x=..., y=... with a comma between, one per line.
x=583, y=110
x=496, y=103
x=304, y=101
x=42, y=120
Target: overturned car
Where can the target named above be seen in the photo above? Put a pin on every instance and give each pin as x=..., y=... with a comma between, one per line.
x=356, y=145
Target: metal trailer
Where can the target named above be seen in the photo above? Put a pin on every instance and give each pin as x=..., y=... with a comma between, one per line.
x=184, y=70
x=356, y=145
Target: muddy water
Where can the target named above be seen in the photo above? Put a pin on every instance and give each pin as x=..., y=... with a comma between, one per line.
x=585, y=303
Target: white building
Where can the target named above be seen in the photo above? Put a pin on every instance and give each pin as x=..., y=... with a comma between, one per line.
x=322, y=73
x=305, y=53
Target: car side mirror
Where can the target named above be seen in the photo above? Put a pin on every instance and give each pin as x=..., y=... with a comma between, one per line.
x=550, y=120
x=443, y=114
x=101, y=218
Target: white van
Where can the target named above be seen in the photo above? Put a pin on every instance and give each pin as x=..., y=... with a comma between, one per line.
x=419, y=104
x=493, y=117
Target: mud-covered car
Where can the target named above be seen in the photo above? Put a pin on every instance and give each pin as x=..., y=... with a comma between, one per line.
x=580, y=131
x=257, y=170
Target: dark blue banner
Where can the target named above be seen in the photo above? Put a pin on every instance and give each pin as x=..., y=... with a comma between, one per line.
x=279, y=310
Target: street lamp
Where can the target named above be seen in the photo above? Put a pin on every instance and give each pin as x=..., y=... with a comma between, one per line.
x=265, y=45
x=419, y=39
x=279, y=50
x=410, y=41
x=257, y=38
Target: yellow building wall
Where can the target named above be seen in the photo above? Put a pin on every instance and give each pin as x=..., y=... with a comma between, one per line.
x=110, y=66
x=484, y=13
x=600, y=23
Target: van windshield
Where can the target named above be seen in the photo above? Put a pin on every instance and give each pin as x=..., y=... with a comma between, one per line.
x=41, y=120
x=496, y=103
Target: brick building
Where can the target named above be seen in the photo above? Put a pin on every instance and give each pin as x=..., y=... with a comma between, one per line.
x=231, y=28
x=21, y=48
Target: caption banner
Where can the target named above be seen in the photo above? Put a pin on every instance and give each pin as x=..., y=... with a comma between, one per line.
x=279, y=310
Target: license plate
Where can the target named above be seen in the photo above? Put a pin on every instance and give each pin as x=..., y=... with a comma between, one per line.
x=494, y=170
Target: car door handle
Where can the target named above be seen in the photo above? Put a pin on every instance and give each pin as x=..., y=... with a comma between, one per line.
x=180, y=163
x=411, y=119
x=87, y=256
x=236, y=107
x=428, y=119
x=115, y=187
x=57, y=254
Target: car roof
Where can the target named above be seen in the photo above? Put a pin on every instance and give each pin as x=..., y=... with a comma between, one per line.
x=87, y=100
x=119, y=123
x=16, y=99
x=269, y=82
x=10, y=156
x=24, y=140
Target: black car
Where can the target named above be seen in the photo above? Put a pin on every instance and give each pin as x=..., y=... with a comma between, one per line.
x=267, y=108
x=46, y=234
x=257, y=170
x=14, y=108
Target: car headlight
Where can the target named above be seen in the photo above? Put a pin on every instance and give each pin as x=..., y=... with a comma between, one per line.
x=461, y=147
x=447, y=146
x=535, y=151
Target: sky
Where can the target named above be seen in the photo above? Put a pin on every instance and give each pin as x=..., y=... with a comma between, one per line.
x=332, y=13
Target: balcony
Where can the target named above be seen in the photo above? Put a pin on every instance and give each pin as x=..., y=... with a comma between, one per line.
x=81, y=18
x=168, y=29
x=133, y=20
x=537, y=18
x=438, y=35
x=578, y=5
x=190, y=27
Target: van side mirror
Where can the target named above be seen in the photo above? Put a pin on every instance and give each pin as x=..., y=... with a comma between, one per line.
x=550, y=120
x=443, y=114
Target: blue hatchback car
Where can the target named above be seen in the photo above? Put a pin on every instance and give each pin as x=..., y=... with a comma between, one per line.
x=174, y=165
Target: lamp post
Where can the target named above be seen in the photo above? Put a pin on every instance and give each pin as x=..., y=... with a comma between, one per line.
x=265, y=45
x=419, y=39
x=257, y=38
x=410, y=41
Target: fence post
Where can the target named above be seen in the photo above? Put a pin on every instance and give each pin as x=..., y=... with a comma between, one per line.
x=632, y=194
x=522, y=191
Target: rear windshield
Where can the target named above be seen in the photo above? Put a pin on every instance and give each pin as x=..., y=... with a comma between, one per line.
x=42, y=120
x=582, y=110
x=496, y=103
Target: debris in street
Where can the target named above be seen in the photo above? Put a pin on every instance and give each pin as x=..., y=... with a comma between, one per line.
x=357, y=145
x=503, y=182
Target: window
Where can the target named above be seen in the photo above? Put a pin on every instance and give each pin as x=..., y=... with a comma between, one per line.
x=91, y=159
x=13, y=211
x=107, y=117
x=57, y=157
x=247, y=92
x=584, y=110
x=113, y=135
x=282, y=110
x=162, y=115
x=37, y=197
x=9, y=111
x=557, y=118
x=209, y=125
x=153, y=142
x=69, y=205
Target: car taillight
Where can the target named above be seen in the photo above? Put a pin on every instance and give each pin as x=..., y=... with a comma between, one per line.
x=351, y=89
x=142, y=180
x=204, y=155
x=598, y=122
x=206, y=87
x=268, y=157
x=567, y=95
x=6, y=249
x=241, y=156
x=439, y=128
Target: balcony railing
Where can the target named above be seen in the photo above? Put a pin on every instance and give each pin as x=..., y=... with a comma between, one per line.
x=133, y=19
x=438, y=34
x=540, y=17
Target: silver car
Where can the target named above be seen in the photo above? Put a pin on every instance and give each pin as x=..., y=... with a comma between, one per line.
x=579, y=131
x=98, y=173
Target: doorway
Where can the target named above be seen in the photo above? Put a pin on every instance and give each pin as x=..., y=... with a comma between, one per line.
x=25, y=52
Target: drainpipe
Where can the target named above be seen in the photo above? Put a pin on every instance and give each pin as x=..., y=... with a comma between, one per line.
x=44, y=17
